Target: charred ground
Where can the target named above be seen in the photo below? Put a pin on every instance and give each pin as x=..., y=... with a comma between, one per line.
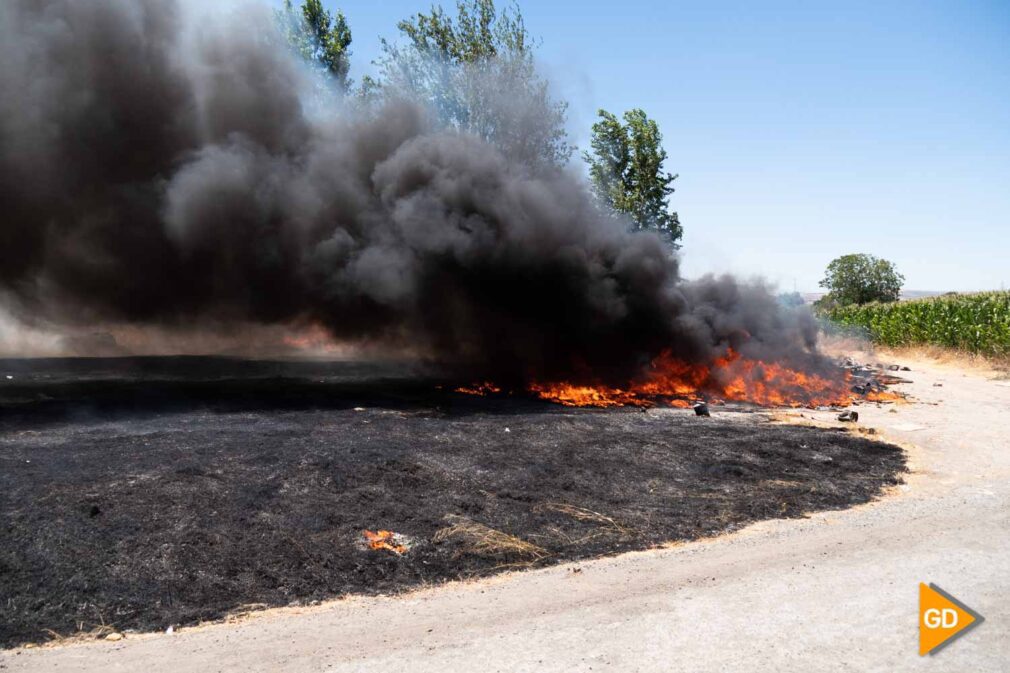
x=145, y=493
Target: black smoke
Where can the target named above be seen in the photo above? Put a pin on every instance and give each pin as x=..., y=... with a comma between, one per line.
x=159, y=170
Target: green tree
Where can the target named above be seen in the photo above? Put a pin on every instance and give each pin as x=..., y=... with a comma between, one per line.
x=626, y=172
x=319, y=37
x=476, y=70
x=859, y=279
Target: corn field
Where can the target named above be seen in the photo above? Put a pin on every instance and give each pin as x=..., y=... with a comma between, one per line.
x=977, y=323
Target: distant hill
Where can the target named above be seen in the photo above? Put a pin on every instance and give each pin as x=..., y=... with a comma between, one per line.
x=919, y=294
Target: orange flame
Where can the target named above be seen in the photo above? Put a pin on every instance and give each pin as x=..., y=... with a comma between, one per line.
x=587, y=396
x=731, y=377
x=484, y=388
x=383, y=539
x=313, y=337
x=884, y=396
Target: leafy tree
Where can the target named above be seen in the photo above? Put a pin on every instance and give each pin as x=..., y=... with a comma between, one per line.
x=479, y=32
x=476, y=70
x=859, y=279
x=319, y=37
x=626, y=172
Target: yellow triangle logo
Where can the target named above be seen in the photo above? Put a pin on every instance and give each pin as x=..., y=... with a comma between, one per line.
x=942, y=619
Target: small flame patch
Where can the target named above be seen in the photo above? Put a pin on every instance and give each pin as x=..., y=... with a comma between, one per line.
x=385, y=539
x=485, y=388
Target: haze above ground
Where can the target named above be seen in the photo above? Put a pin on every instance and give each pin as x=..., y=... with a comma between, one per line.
x=801, y=131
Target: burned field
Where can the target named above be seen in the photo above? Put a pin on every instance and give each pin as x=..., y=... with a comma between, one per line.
x=145, y=493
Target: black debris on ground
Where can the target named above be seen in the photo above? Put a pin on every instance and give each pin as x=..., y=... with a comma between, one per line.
x=871, y=378
x=148, y=500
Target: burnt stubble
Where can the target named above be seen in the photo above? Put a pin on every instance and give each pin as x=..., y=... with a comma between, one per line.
x=149, y=492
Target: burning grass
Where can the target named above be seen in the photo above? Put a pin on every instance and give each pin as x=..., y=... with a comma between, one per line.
x=385, y=540
x=156, y=504
x=672, y=382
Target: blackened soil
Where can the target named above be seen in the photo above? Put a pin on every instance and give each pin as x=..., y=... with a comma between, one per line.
x=143, y=500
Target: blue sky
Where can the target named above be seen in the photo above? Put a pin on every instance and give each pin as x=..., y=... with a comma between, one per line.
x=801, y=130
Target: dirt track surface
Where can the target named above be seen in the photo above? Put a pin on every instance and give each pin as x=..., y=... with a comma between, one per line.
x=835, y=592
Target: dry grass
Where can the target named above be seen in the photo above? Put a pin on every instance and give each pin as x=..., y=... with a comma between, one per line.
x=586, y=515
x=796, y=418
x=863, y=350
x=780, y=483
x=950, y=357
x=480, y=540
x=243, y=611
x=81, y=635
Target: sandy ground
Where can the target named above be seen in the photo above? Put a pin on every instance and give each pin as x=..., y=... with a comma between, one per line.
x=835, y=592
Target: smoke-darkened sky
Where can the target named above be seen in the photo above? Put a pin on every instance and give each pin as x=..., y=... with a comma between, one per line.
x=160, y=165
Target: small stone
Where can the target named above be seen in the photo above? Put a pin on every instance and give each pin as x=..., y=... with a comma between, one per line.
x=848, y=416
x=114, y=636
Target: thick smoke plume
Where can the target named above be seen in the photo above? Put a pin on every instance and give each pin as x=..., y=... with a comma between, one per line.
x=159, y=170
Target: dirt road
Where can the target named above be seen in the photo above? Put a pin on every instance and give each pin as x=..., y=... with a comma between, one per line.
x=835, y=592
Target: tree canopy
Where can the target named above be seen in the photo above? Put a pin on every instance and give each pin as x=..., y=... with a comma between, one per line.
x=479, y=32
x=476, y=70
x=626, y=172
x=319, y=37
x=859, y=279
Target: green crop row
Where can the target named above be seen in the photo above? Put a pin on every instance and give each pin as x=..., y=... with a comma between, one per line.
x=977, y=323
